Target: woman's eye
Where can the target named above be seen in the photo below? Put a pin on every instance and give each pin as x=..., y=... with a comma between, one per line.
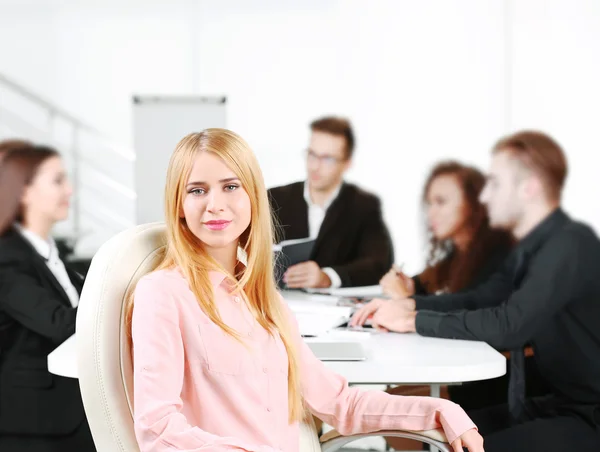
x=197, y=191
x=230, y=187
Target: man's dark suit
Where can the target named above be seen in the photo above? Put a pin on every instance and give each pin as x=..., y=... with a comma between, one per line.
x=35, y=317
x=353, y=239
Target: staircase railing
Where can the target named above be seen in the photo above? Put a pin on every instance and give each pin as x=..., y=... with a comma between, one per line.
x=101, y=170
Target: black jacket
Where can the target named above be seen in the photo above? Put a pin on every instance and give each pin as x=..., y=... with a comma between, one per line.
x=353, y=239
x=35, y=317
x=547, y=295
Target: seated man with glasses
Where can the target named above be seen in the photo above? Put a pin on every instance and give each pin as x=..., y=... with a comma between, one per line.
x=352, y=243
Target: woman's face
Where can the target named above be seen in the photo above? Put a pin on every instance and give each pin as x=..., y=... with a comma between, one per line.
x=446, y=209
x=216, y=207
x=48, y=196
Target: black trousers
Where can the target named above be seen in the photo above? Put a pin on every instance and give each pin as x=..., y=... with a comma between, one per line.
x=488, y=393
x=78, y=441
x=549, y=425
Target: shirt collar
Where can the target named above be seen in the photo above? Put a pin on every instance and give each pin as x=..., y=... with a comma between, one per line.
x=217, y=277
x=44, y=248
x=332, y=198
x=542, y=232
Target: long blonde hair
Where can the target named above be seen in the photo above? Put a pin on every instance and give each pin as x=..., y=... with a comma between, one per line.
x=185, y=251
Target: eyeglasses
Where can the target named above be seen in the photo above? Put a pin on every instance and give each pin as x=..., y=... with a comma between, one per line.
x=328, y=160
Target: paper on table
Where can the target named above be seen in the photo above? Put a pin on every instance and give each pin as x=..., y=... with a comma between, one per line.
x=298, y=295
x=311, y=324
x=348, y=333
x=351, y=292
x=317, y=315
x=316, y=308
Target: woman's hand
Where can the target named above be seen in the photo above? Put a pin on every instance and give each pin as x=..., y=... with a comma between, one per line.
x=471, y=439
x=396, y=284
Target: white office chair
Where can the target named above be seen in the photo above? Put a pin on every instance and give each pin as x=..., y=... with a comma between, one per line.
x=103, y=355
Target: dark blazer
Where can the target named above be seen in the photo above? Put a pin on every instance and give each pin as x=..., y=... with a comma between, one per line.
x=35, y=317
x=353, y=239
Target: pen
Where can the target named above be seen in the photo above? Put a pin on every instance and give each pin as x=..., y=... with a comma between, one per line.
x=398, y=268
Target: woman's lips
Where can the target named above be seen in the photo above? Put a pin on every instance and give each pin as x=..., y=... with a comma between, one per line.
x=217, y=225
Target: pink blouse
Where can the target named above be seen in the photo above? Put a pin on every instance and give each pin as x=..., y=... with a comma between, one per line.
x=197, y=389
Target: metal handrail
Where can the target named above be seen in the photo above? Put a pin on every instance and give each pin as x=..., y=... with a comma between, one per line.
x=80, y=131
x=57, y=111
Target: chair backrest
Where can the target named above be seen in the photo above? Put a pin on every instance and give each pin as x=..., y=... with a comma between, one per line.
x=103, y=350
x=103, y=354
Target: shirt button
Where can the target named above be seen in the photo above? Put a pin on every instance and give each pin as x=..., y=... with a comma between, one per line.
x=249, y=334
x=264, y=369
x=236, y=299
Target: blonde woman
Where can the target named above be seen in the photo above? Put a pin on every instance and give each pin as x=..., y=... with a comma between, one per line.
x=219, y=363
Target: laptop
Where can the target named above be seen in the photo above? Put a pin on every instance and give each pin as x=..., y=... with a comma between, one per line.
x=338, y=351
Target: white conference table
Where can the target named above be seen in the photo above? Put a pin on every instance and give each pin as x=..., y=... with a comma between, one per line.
x=392, y=359
x=410, y=359
x=63, y=360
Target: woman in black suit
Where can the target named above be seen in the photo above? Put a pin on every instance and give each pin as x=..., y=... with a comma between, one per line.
x=39, y=412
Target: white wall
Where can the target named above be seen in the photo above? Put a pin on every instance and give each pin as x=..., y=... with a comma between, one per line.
x=91, y=56
x=420, y=80
x=556, y=87
x=416, y=84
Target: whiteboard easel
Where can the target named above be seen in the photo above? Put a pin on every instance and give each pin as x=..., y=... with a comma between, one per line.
x=159, y=123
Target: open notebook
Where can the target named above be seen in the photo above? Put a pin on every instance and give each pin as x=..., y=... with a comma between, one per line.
x=317, y=318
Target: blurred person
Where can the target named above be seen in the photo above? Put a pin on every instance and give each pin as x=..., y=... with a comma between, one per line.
x=7, y=145
x=463, y=250
x=218, y=361
x=353, y=246
x=546, y=295
x=38, y=305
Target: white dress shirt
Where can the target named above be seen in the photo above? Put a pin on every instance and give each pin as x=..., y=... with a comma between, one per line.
x=48, y=250
x=316, y=215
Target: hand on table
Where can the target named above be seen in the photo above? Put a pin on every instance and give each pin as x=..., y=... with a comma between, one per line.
x=306, y=275
x=387, y=315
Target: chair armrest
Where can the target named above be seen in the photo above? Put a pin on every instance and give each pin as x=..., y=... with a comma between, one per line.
x=333, y=440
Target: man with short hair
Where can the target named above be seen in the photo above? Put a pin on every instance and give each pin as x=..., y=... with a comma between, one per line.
x=352, y=243
x=547, y=296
